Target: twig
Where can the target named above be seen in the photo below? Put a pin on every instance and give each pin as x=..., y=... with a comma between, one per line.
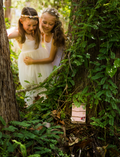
x=47, y=79
x=59, y=108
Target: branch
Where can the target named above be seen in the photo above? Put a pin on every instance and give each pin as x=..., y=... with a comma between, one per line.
x=56, y=70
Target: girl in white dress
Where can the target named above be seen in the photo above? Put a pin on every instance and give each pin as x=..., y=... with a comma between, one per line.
x=28, y=37
x=53, y=37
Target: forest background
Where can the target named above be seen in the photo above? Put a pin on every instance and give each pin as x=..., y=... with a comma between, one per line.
x=89, y=74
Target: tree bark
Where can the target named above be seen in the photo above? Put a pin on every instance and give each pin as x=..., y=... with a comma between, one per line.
x=8, y=9
x=8, y=104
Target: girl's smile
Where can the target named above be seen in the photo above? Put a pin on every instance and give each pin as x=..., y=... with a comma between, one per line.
x=47, y=22
x=29, y=25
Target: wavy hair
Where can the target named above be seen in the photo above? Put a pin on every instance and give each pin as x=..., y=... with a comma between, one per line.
x=58, y=31
x=31, y=12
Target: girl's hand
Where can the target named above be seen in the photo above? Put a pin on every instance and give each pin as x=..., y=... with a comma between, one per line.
x=28, y=60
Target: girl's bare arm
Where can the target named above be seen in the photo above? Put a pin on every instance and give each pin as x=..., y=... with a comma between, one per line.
x=12, y=33
x=50, y=59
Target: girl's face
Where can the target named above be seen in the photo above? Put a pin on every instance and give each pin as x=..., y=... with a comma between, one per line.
x=29, y=25
x=47, y=22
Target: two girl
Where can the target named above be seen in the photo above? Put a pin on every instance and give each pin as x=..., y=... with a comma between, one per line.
x=53, y=37
x=34, y=58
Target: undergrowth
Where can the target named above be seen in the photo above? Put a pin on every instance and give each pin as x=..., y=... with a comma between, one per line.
x=94, y=47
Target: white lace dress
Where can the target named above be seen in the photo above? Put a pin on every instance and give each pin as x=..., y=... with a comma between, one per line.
x=29, y=74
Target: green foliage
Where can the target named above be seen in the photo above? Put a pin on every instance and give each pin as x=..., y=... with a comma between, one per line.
x=22, y=148
x=94, y=47
x=26, y=136
x=2, y=120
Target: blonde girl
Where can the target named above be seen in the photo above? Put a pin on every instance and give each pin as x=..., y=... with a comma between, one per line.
x=53, y=37
x=28, y=37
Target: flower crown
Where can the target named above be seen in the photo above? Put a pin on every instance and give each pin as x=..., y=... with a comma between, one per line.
x=30, y=16
x=51, y=11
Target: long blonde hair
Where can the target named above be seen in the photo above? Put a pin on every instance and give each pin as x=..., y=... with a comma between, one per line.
x=31, y=12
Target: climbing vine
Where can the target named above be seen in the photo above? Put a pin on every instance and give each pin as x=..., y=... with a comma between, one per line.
x=95, y=32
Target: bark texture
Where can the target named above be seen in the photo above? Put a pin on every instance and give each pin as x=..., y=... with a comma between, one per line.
x=8, y=9
x=8, y=104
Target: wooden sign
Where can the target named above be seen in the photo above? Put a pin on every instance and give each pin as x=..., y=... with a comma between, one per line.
x=78, y=114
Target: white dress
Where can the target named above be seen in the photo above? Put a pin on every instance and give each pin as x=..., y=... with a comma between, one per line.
x=30, y=73
x=59, y=54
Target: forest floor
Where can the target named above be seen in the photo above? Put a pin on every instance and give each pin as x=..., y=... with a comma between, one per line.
x=81, y=139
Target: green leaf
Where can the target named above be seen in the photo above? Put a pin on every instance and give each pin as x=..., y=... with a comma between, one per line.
x=107, y=99
x=100, y=93
x=117, y=63
x=95, y=27
x=83, y=44
x=11, y=128
x=96, y=69
x=102, y=112
x=28, y=134
x=0, y=134
x=103, y=81
x=87, y=55
x=19, y=135
x=111, y=70
x=108, y=93
x=77, y=62
x=35, y=155
x=91, y=46
x=2, y=120
x=105, y=123
x=22, y=147
x=10, y=148
x=33, y=121
x=115, y=38
x=111, y=121
x=26, y=81
x=111, y=82
x=23, y=123
x=113, y=113
x=97, y=76
x=43, y=150
x=39, y=75
x=112, y=55
x=72, y=82
x=75, y=101
x=103, y=50
x=114, y=105
x=85, y=90
x=105, y=86
x=106, y=45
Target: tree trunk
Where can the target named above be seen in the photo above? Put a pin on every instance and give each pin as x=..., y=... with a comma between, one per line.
x=8, y=9
x=8, y=105
x=82, y=30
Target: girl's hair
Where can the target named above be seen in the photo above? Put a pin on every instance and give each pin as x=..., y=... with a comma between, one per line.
x=30, y=13
x=58, y=31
